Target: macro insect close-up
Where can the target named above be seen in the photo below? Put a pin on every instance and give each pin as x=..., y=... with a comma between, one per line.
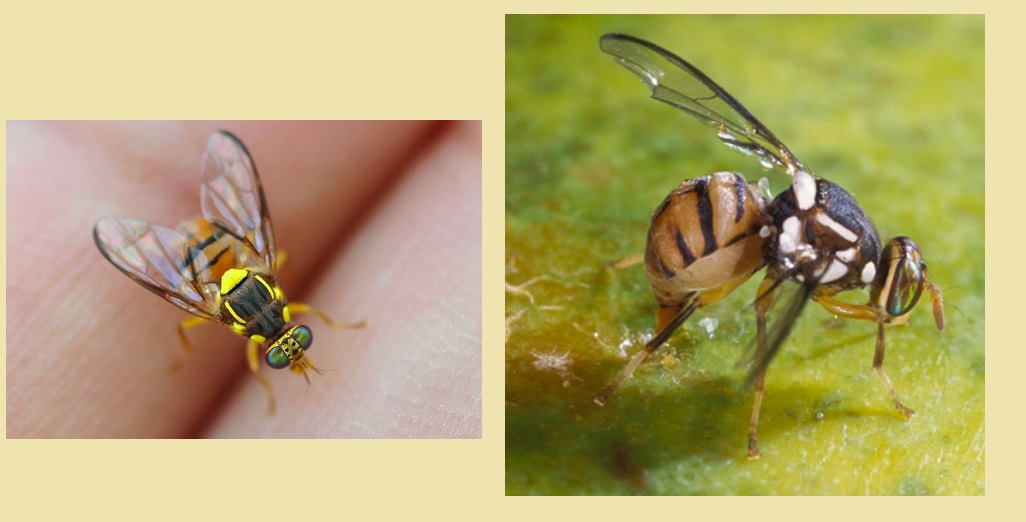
x=221, y=268
x=712, y=233
x=744, y=330
x=124, y=364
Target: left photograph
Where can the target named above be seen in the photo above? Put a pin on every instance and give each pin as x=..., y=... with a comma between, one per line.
x=309, y=284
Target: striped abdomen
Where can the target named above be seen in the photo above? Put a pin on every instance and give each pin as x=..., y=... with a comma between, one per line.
x=705, y=234
x=210, y=251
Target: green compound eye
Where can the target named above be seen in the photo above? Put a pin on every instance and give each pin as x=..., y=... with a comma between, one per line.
x=906, y=288
x=276, y=358
x=303, y=336
x=289, y=347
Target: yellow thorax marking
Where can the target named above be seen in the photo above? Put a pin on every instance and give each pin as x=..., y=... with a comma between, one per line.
x=238, y=320
x=267, y=286
x=231, y=278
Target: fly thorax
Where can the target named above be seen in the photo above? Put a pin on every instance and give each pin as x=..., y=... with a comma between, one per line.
x=823, y=235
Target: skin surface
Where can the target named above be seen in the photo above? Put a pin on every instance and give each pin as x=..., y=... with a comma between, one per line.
x=381, y=222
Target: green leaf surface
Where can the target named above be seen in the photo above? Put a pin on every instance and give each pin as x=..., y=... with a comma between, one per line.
x=888, y=107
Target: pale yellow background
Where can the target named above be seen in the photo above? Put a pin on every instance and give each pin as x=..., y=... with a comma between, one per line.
x=440, y=59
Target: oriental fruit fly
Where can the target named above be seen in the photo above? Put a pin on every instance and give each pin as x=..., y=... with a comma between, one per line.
x=220, y=268
x=713, y=233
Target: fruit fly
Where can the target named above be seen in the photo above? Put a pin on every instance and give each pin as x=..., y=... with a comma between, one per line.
x=220, y=268
x=713, y=233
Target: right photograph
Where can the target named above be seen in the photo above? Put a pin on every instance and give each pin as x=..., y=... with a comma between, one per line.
x=745, y=255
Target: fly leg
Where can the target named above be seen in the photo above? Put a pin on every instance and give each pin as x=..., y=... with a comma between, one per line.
x=301, y=308
x=253, y=357
x=878, y=359
x=668, y=320
x=629, y=261
x=673, y=316
x=301, y=366
x=764, y=298
x=866, y=312
x=182, y=327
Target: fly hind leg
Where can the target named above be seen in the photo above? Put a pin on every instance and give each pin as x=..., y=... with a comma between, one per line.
x=668, y=320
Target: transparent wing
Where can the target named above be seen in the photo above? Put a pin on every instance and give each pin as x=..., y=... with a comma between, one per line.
x=680, y=84
x=158, y=258
x=233, y=199
x=786, y=312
